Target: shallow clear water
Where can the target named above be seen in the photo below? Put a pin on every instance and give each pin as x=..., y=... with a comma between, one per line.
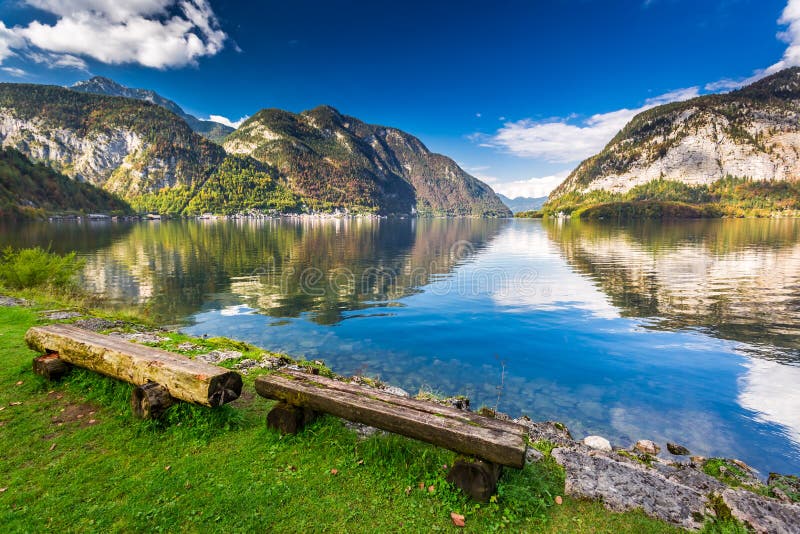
x=686, y=331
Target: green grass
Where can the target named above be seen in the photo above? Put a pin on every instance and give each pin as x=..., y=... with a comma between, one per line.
x=728, y=197
x=74, y=459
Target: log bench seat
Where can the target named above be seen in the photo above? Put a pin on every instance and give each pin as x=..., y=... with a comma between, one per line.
x=160, y=377
x=486, y=444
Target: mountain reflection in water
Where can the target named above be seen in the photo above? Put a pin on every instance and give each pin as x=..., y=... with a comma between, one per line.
x=685, y=331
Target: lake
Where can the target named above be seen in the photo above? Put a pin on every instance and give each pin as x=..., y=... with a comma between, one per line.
x=680, y=331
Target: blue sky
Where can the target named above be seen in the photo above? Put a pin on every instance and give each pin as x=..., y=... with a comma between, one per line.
x=518, y=92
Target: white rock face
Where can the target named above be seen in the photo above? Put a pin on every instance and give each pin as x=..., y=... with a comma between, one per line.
x=597, y=442
x=702, y=146
x=90, y=158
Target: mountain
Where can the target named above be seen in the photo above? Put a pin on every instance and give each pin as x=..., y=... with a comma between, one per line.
x=751, y=135
x=336, y=160
x=150, y=157
x=520, y=204
x=104, y=86
x=28, y=189
x=138, y=150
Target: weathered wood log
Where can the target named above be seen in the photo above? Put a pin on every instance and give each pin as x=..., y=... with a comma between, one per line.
x=289, y=419
x=475, y=477
x=150, y=400
x=185, y=379
x=50, y=366
x=500, y=442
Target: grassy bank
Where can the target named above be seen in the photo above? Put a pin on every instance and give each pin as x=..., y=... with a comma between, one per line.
x=75, y=459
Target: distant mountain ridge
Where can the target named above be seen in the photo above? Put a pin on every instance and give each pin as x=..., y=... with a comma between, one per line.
x=520, y=204
x=100, y=85
x=338, y=160
x=137, y=150
x=318, y=160
x=753, y=133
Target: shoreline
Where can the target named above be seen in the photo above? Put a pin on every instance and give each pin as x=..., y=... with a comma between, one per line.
x=622, y=478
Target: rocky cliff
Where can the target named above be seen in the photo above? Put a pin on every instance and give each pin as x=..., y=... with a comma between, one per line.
x=339, y=160
x=152, y=158
x=753, y=132
x=135, y=149
x=103, y=86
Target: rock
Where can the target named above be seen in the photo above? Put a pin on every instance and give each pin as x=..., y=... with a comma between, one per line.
x=394, y=390
x=274, y=362
x=597, y=442
x=459, y=403
x=60, y=315
x=698, y=461
x=140, y=337
x=362, y=431
x=594, y=474
x=11, y=301
x=762, y=514
x=551, y=431
x=218, y=356
x=692, y=478
x=785, y=485
x=269, y=362
x=739, y=471
x=188, y=347
x=96, y=324
x=677, y=450
x=780, y=494
x=645, y=446
x=533, y=455
x=245, y=365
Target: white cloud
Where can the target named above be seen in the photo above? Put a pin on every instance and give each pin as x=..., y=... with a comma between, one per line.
x=562, y=141
x=532, y=187
x=58, y=60
x=226, y=121
x=13, y=71
x=152, y=33
x=791, y=56
x=8, y=41
x=790, y=17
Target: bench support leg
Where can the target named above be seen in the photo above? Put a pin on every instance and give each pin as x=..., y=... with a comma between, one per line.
x=288, y=419
x=477, y=478
x=50, y=366
x=150, y=400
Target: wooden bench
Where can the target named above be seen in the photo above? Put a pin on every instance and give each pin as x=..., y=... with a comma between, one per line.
x=160, y=376
x=487, y=443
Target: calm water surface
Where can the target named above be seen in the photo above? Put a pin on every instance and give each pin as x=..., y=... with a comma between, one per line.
x=688, y=332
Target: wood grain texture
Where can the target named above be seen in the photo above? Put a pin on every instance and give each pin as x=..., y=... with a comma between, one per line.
x=185, y=379
x=501, y=442
x=150, y=401
x=50, y=366
x=476, y=478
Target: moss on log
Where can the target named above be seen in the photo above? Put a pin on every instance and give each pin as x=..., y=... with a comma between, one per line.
x=185, y=379
x=500, y=442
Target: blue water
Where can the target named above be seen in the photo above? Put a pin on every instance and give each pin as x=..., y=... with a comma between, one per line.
x=685, y=332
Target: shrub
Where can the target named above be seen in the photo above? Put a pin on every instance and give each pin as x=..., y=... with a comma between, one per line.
x=36, y=267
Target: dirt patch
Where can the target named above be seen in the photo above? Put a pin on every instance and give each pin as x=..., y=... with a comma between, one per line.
x=83, y=413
